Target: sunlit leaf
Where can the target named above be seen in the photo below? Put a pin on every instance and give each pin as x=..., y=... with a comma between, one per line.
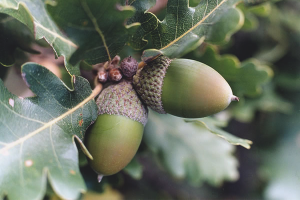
x=281, y=167
x=214, y=125
x=190, y=151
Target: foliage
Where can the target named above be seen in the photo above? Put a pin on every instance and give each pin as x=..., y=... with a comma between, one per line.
x=38, y=150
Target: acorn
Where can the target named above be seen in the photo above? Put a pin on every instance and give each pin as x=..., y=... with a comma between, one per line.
x=182, y=87
x=114, y=138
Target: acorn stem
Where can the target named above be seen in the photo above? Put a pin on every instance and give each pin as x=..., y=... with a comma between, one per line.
x=96, y=90
x=235, y=98
x=141, y=65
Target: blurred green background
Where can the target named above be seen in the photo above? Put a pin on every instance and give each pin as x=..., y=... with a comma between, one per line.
x=181, y=160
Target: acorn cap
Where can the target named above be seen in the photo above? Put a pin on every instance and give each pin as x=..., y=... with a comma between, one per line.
x=148, y=83
x=121, y=99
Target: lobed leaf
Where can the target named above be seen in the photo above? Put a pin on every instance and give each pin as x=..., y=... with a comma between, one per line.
x=185, y=28
x=268, y=101
x=252, y=12
x=147, y=20
x=190, y=151
x=37, y=135
x=213, y=125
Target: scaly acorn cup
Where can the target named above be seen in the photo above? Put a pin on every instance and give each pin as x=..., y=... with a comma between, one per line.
x=114, y=138
x=182, y=87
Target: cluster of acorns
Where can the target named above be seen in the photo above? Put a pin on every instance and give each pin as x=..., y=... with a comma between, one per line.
x=181, y=87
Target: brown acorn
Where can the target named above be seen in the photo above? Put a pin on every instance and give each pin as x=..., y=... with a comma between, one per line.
x=182, y=87
x=117, y=133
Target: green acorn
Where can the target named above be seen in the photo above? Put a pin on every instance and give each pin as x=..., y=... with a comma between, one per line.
x=182, y=87
x=116, y=135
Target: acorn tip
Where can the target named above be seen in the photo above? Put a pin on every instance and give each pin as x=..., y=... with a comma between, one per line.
x=99, y=178
x=235, y=98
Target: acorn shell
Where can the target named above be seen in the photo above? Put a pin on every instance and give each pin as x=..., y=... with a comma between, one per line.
x=114, y=138
x=113, y=141
x=182, y=87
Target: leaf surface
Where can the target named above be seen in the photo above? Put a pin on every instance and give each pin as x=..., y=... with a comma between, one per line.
x=37, y=135
x=268, y=101
x=190, y=151
x=214, y=125
x=134, y=169
x=14, y=34
x=34, y=15
x=97, y=27
x=281, y=167
x=147, y=20
x=185, y=28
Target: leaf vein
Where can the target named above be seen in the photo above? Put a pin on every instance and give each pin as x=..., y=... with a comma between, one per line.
x=193, y=27
x=56, y=35
x=53, y=149
x=21, y=166
x=30, y=119
x=10, y=129
x=95, y=23
x=95, y=92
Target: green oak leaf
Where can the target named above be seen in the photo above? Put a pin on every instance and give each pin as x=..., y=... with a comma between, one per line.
x=268, y=101
x=3, y=72
x=14, y=34
x=245, y=79
x=185, y=28
x=34, y=15
x=190, y=151
x=255, y=2
x=281, y=166
x=251, y=21
x=37, y=135
x=97, y=27
x=147, y=20
x=261, y=10
x=290, y=18
x=252, y=12
x=213, y=125
x=134, y=169
x=275, y=43
x=251, y=76
x=289, y=82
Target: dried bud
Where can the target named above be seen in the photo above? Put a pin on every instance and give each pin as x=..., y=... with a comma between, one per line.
x=129, y=66
x=102, y=76
x=115, y=60
x=115, y=74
